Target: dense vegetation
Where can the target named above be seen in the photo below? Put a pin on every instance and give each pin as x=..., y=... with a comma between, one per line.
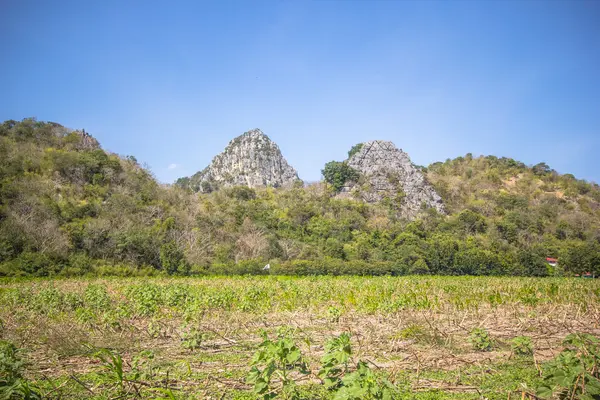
x=68, y=207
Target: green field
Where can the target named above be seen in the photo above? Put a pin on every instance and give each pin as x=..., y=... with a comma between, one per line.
x=410, y=337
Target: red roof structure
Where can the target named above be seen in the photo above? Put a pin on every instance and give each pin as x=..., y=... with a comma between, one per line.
x=551, y=260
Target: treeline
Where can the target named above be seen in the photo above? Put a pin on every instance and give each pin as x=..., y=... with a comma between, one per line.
x=68, y=207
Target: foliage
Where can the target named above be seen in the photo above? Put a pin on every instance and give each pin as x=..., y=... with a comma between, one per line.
x=13, y=384
x=359, y=383
x=335, y=362
x=338, y=173
x=67, y=207
x=281, y=358
x=138, y=317
x=273, y=366
x=364, y=384
x=334, y=314
x=173, y=260
x=192, y=339
x=522, y=346
x=355, y=149
x=112, y=363
x=480, y=339
x=574, y=373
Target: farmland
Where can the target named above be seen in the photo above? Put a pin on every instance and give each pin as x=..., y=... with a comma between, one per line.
x=423, y=337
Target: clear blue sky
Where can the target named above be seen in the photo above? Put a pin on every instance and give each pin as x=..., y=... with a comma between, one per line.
x=173, y=82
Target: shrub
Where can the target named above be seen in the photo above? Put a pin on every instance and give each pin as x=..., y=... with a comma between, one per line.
x=243, y=193
x=364, y=384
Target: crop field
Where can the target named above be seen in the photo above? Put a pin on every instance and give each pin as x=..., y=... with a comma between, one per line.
x=289, y=338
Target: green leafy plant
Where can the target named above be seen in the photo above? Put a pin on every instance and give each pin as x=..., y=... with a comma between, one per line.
x=574, y=373
x=96, y=297
x=273, y=366
x=334, y=314
x=335, y=361
x=522, y=346
x=164, y=394
x=361, y=383
x=154, y=329
x=112, y=363
x=142, y=366
x=480, y=340
x=364, y=384
x=13, y=385
x=192, y=339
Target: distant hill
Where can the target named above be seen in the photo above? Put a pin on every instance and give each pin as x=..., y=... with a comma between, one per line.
x=69, y=207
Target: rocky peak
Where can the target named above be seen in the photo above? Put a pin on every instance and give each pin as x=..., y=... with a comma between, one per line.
x=251, y=159
x=87, y=141
x=386, y=171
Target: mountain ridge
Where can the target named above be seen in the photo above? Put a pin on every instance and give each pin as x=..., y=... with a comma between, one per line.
x=68, y=207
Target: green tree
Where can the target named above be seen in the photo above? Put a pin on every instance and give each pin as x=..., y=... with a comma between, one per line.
x=533, y=264
x=172, y=259
x=472, y=222
x=338, y=173
x=355, y=149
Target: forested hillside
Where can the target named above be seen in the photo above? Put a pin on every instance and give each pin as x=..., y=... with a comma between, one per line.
x=68, y=207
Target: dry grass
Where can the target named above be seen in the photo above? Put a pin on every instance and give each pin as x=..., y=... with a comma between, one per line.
x=409, y=340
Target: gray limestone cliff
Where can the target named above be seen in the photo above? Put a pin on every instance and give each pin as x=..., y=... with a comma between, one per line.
x=387, y=172
x=251, y=159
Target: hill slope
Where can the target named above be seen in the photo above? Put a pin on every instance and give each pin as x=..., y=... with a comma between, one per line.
x=68, y=207
x=387, y=172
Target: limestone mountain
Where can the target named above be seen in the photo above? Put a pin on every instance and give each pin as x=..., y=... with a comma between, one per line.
x=251, y=159
x=387, y=172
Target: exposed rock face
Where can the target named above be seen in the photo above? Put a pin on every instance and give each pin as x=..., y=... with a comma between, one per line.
x=387, y=171
x=88, y=142
x=252, y=160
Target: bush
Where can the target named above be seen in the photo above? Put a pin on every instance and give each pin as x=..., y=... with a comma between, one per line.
x=243, y=267
x=476, y=261
x=472, y=222
x=36, y=264
x=243, y=193
x=336, y=267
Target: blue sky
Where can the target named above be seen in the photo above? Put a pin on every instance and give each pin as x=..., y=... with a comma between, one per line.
x=173, y=82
